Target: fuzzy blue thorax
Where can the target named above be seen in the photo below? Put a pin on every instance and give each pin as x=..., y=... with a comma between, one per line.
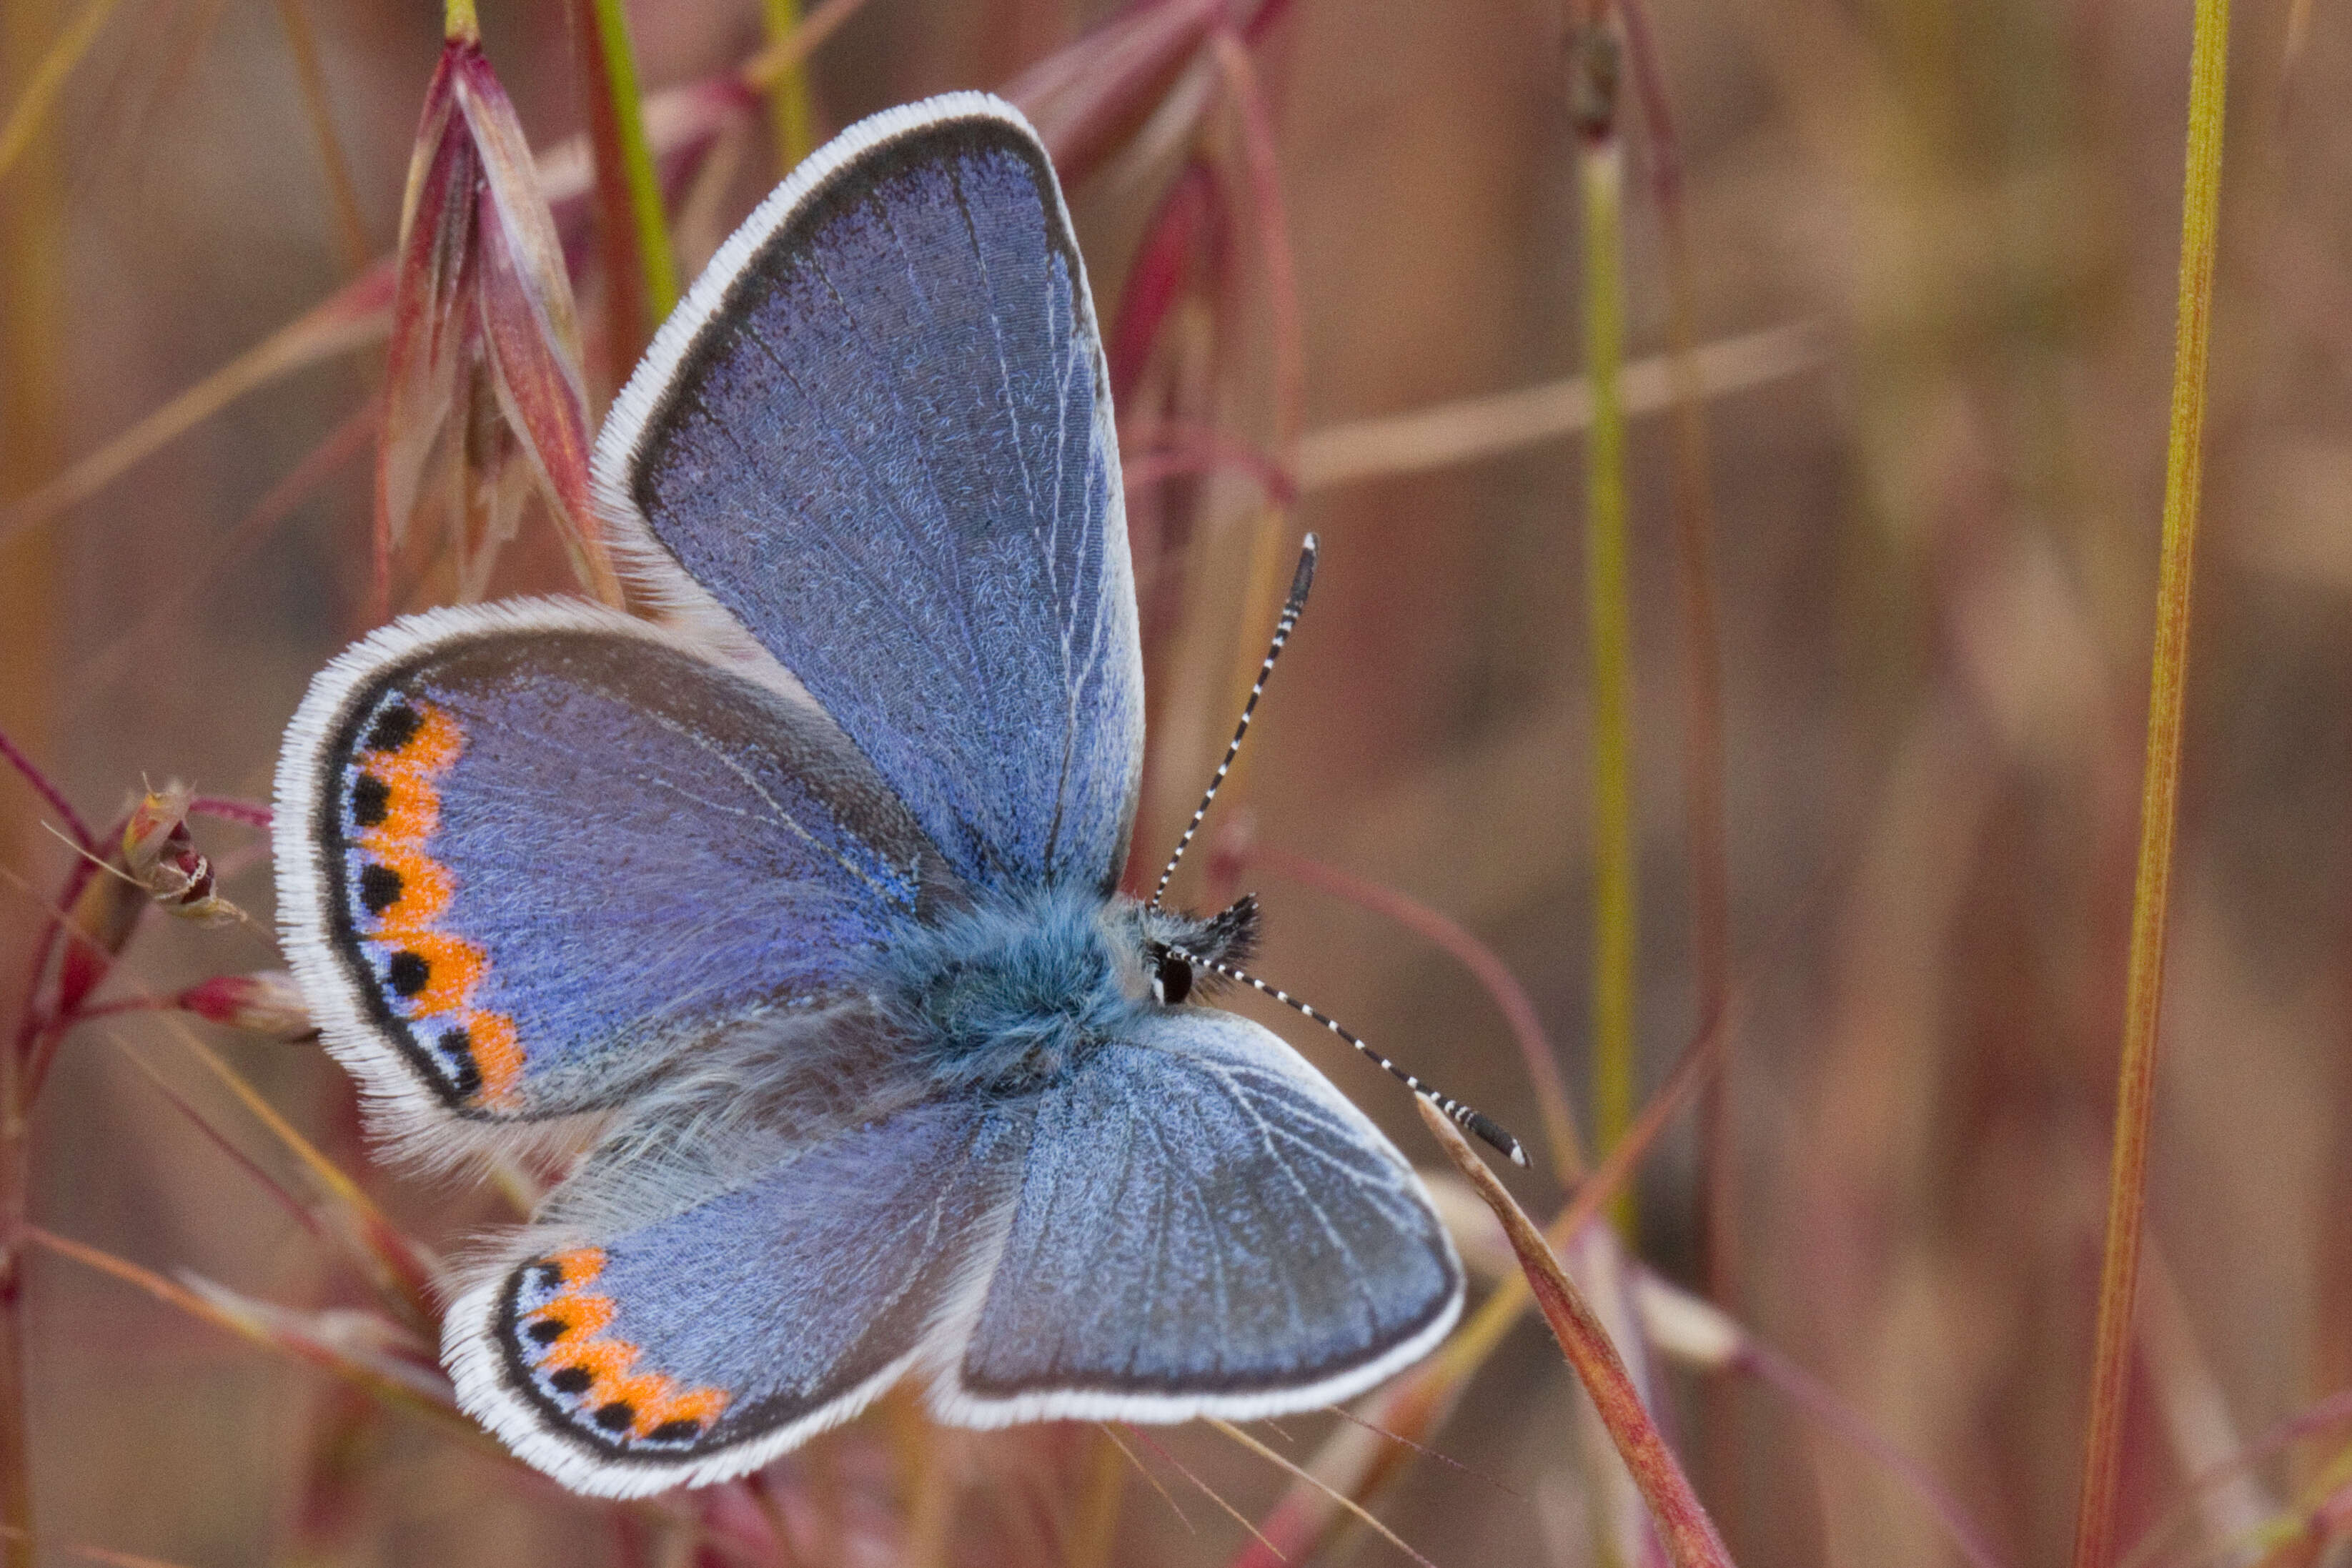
x=1011, y=993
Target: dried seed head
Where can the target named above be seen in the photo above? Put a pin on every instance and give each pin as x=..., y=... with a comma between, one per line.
x=485, y=399
x=157, y=824
x=159, y=856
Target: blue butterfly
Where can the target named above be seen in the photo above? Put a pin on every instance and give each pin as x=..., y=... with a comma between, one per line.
x=804, y=899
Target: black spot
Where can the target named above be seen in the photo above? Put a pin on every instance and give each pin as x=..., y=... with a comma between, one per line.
x=549, y=1275
x=408, y=972
x=379, y=888
x=370, y=799
x=458, y=1046
x=612, y=1417
x=674, y=1431
x=1175, y=980
x=547, y=1331
x=395, y=728
x=569, y=1380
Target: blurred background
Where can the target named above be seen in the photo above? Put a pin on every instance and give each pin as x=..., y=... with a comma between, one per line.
x=1929, y=255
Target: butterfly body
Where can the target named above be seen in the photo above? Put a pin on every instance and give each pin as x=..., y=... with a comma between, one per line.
x=801, y=900
x=1012, y=994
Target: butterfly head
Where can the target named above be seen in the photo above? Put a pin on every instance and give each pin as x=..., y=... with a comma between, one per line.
x=1181, y=951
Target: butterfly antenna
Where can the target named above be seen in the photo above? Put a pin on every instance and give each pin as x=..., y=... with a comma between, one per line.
x=1301, y=581
x=1463, y=1116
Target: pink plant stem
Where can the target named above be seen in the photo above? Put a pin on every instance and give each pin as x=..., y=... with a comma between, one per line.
x=2332, y=1411
x=16, y=1156
x=1270, y=221
x=1802, y=1389
x=1261, y=161
x=1518, y=1008
x=1168, y=448
x=1693, y=507
x=251, y=813
x=30, y=1023
x=48, y=792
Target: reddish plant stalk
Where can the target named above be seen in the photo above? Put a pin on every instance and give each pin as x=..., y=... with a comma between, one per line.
x=49, y=793
x=640, y=279
x=1683, y=1528
x=1693, y=501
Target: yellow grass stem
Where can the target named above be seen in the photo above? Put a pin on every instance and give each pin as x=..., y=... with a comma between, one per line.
x=2160, y=782
x=789, y=115
x=1093, y=1534
x=781, y=56
x=1609, y=634
x=618, y=61
x=460, y=23
x=39, y=93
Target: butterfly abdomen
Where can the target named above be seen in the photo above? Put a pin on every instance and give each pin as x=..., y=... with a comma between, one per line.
x=1008, y=996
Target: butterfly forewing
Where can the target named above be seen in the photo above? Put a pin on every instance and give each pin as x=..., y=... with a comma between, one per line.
x=530, y=854
x=878, y=434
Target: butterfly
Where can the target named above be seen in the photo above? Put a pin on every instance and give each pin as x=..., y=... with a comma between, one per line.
x=807, y=893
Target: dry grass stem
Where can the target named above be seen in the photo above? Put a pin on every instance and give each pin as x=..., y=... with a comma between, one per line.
x=1363, y=1515
x=317, y=107
x=48, y=79
x=2167, y=691
x=1469, y=429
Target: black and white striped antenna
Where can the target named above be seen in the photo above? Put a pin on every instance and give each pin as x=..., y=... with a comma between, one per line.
x=1300, y=581
x=1463, y=1116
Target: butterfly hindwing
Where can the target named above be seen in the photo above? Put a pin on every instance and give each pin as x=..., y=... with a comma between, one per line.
x=696, y=1345
x=530, y=853
x=1205, y=1227
x=878, y=434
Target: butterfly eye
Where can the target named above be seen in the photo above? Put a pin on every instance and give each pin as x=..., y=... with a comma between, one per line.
x=1172, y=982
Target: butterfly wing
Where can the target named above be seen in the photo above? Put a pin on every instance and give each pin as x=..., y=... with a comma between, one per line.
x=529, y=853
x=877, y=435
x=626, y=1356
x=1205, y=1227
